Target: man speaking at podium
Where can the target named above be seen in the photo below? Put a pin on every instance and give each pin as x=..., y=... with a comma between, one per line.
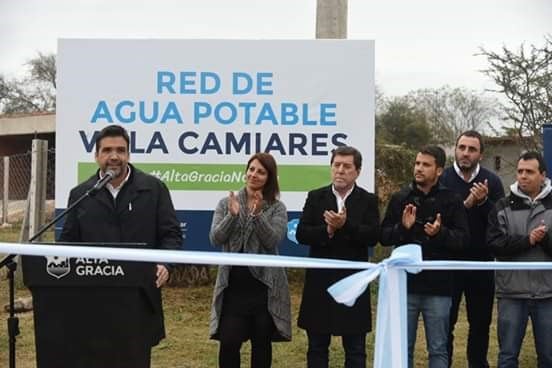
x=133, y=207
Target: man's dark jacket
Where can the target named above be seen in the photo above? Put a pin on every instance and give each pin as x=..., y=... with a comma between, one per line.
x=478, y=215
x=451, y=238
x=319, y=313
x=142, y=213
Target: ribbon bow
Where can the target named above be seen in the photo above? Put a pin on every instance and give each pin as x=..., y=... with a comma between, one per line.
x=391, y=323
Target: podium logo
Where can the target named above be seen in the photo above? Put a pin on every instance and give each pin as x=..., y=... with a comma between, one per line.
x=57, y=266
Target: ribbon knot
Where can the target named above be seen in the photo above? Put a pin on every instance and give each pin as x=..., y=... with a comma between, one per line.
x=391, y=323
x=347, y=290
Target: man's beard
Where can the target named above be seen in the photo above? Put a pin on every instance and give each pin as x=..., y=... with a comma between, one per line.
x=466, y=169
x=118, y=170
x=420, y=181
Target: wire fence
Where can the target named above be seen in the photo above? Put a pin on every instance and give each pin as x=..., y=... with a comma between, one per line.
x=15, y=186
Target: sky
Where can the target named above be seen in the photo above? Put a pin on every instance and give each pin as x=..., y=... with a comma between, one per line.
x=419, y=44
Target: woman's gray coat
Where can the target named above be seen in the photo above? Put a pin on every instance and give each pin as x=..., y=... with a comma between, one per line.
x=260, y=234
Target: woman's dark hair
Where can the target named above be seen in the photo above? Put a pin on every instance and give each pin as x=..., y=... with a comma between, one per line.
x=271, y=189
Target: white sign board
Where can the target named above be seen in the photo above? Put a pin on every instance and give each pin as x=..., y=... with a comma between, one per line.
x=196, y=110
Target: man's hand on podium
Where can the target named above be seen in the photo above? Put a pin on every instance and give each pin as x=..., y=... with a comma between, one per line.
x=162, y=275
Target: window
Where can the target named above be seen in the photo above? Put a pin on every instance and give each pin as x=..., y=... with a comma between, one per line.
x=497, y=162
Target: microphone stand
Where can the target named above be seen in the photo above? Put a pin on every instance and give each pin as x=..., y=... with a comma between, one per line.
x=13, y=321
x=11, y=265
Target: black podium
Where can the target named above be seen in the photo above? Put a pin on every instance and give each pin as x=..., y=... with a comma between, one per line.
x=91, y=313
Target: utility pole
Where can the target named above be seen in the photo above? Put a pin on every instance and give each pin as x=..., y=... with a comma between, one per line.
x=331, y=18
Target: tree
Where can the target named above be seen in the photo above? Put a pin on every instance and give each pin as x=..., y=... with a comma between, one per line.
x=402, y=124
x=380, y=100
x=524, y=76
x=43, y=68
x=451, y=111
x=400, y=131
x=35, y=92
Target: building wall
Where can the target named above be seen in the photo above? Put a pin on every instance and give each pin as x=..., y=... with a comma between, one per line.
x=16, y=136
x=16, y=144
x=17, y=132
x=502, y=159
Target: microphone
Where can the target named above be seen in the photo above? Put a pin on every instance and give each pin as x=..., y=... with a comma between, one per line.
x=108, y=176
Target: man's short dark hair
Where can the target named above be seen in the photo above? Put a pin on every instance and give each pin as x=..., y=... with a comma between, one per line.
x=112, y=131
x=348, y=151
x=437, y=153
x=472, y=134
x=534, y=155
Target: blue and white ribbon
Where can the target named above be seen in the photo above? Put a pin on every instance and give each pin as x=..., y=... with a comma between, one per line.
x=391, y=324
x=177, y=256
x=391, y=341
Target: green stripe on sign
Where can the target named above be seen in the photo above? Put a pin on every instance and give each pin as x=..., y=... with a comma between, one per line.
x=293, y=178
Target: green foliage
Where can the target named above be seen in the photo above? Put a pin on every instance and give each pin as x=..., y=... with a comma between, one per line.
x=395, y=162
x=402, y=124
x=401, y=130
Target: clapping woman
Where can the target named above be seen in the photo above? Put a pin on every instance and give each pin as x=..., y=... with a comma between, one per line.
x=250, y=302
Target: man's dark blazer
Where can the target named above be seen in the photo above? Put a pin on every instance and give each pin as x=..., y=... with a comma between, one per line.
x=142, y=213
x=319, y=312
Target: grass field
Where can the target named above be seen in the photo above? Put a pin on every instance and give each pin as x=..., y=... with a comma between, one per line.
x=188, y=346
